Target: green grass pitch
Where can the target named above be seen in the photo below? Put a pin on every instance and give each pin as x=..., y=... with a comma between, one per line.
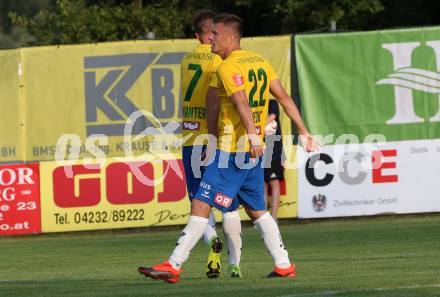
x=381, y=256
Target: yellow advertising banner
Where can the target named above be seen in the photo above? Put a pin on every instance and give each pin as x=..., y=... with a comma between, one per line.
x=122, y=193
x=93, y=89
x=11, y=118
x=113, y=193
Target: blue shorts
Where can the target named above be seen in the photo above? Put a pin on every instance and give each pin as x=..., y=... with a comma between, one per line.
x=224, y=185
x=192, y=176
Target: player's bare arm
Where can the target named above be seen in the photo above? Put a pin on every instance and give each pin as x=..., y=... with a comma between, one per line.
x=286, y=101
x=242, y=104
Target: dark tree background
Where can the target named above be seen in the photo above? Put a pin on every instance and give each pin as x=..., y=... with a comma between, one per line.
x=41, y=22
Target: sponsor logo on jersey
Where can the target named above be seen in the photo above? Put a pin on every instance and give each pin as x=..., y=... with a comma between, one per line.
x=191, y=125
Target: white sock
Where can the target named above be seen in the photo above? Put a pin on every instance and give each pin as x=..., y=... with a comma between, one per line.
x=232, y=228
x=187, y=240
x=210, y=232
x=272, y=239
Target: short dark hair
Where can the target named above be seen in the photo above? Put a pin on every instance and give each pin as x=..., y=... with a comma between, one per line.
x=200, y=17
x=230, y=19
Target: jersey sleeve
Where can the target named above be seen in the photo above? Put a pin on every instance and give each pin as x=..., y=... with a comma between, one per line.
x=232, y=78
x=213, y=77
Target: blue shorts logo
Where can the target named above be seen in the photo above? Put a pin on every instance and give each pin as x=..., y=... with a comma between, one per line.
x=222, y=200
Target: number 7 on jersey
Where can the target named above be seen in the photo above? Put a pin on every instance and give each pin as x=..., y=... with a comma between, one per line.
x=194, y=80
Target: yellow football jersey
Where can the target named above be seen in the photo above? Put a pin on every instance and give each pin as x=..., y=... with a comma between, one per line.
x=198, y=70
x=248, y=71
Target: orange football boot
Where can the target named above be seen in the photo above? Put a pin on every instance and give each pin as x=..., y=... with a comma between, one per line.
x=283, y=272
x=162, y=271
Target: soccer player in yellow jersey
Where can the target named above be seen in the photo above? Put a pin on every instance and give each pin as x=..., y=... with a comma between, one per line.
x=200, y=114
x=198, y=70
x=245, y=80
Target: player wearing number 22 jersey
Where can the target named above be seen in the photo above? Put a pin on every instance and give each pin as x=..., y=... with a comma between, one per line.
x=250, y=72
x=199, y=77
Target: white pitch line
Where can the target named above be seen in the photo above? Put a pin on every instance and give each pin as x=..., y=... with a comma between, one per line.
x=330, y=293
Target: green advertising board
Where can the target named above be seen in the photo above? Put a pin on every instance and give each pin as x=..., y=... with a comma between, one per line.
x=379, y=82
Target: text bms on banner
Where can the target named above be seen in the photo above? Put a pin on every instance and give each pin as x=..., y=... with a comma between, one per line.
x=19, y=199
x=396, y=177
x=113, y=194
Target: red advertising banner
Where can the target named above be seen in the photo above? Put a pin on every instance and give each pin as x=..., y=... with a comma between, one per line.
x=19, y=199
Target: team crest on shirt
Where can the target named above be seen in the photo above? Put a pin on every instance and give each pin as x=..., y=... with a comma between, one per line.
x=238, y=79
x=222, y=200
